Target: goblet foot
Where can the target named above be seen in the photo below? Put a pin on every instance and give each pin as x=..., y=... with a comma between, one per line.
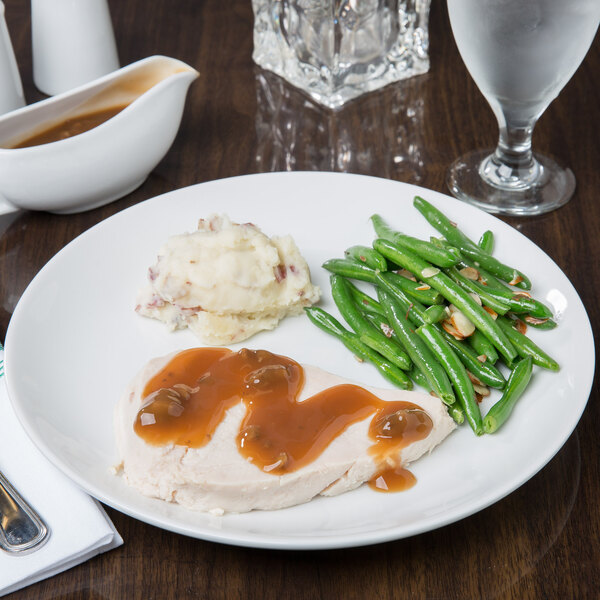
x=479, y=179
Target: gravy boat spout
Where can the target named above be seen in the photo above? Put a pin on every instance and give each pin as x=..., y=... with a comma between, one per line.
x=105, y=162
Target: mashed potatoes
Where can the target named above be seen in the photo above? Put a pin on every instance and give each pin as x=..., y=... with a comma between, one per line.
x=226, y=282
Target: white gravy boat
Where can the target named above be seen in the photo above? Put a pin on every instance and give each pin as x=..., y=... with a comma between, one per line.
x=106, y=162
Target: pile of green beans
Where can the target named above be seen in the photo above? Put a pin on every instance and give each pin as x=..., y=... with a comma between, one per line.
x=401, y=326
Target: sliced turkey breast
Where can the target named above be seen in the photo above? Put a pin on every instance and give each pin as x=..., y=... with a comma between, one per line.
x=216, y=476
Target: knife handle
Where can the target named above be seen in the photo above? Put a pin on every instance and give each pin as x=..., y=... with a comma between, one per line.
x=21, y=528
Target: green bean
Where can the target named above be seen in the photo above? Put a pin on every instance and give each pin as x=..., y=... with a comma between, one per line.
x=411, y=289
x=381, y=323
x=498, y=305
x=452, y=292
x=468, y=247
x=520, y=303
x=435, y=255
x=417, y=376
x=345, y=303
x=526, y=347
x=350, y=268
x=491, y=282
x=456, y=373
x=387, y=350
x=486, y=372
x=414, y=311
x=517, y=382
x=366, y=255
x=416, y=349
x=369, y=311
x=544, y=324
x=486, y=241
x=416, y=314
x=357, y=321
x=541, y=311
x=517, y=301
x=483, y=347
x=329, y=324
x=382, y=229
x=514, y=302
x=364, y=301
x=440, y=242
x=454, y=410
x=485, y=277
x=435, y=313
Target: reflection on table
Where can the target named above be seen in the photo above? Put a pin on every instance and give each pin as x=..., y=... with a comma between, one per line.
x=295, y=134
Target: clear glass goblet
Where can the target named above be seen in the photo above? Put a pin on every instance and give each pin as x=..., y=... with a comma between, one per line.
x=520, y=53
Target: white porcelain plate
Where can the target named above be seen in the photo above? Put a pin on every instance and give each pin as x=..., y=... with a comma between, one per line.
x=75, y=341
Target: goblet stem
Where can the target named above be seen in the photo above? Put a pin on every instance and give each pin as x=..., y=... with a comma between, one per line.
x=511, y=179
x=512, y=166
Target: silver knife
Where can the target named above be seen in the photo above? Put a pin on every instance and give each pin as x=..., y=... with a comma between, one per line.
x=21, y=528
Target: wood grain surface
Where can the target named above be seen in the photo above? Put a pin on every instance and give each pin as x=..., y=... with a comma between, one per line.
x=542, y=541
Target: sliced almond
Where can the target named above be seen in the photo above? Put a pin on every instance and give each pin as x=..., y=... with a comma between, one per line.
x=462, y=324
x=387, y=330
x=429, y=272
x=470, y=273
x=423, y=287
x=534, y=320
x=521, y=295
x=482, y=358
x=491, y=312
x=482, y=390
x=520, y=326
x=479, y=398
x=476, y=298
x=449, y=328
x=474, y=380
x=406, y=274
x=516, y=279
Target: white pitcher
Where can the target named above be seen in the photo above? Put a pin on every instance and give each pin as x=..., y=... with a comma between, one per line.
x=11, y=90
x=73, y=42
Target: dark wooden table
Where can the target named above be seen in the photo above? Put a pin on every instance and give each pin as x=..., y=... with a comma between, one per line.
x=542, y=541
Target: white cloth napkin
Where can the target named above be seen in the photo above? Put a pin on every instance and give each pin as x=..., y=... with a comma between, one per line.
x=79, y=527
